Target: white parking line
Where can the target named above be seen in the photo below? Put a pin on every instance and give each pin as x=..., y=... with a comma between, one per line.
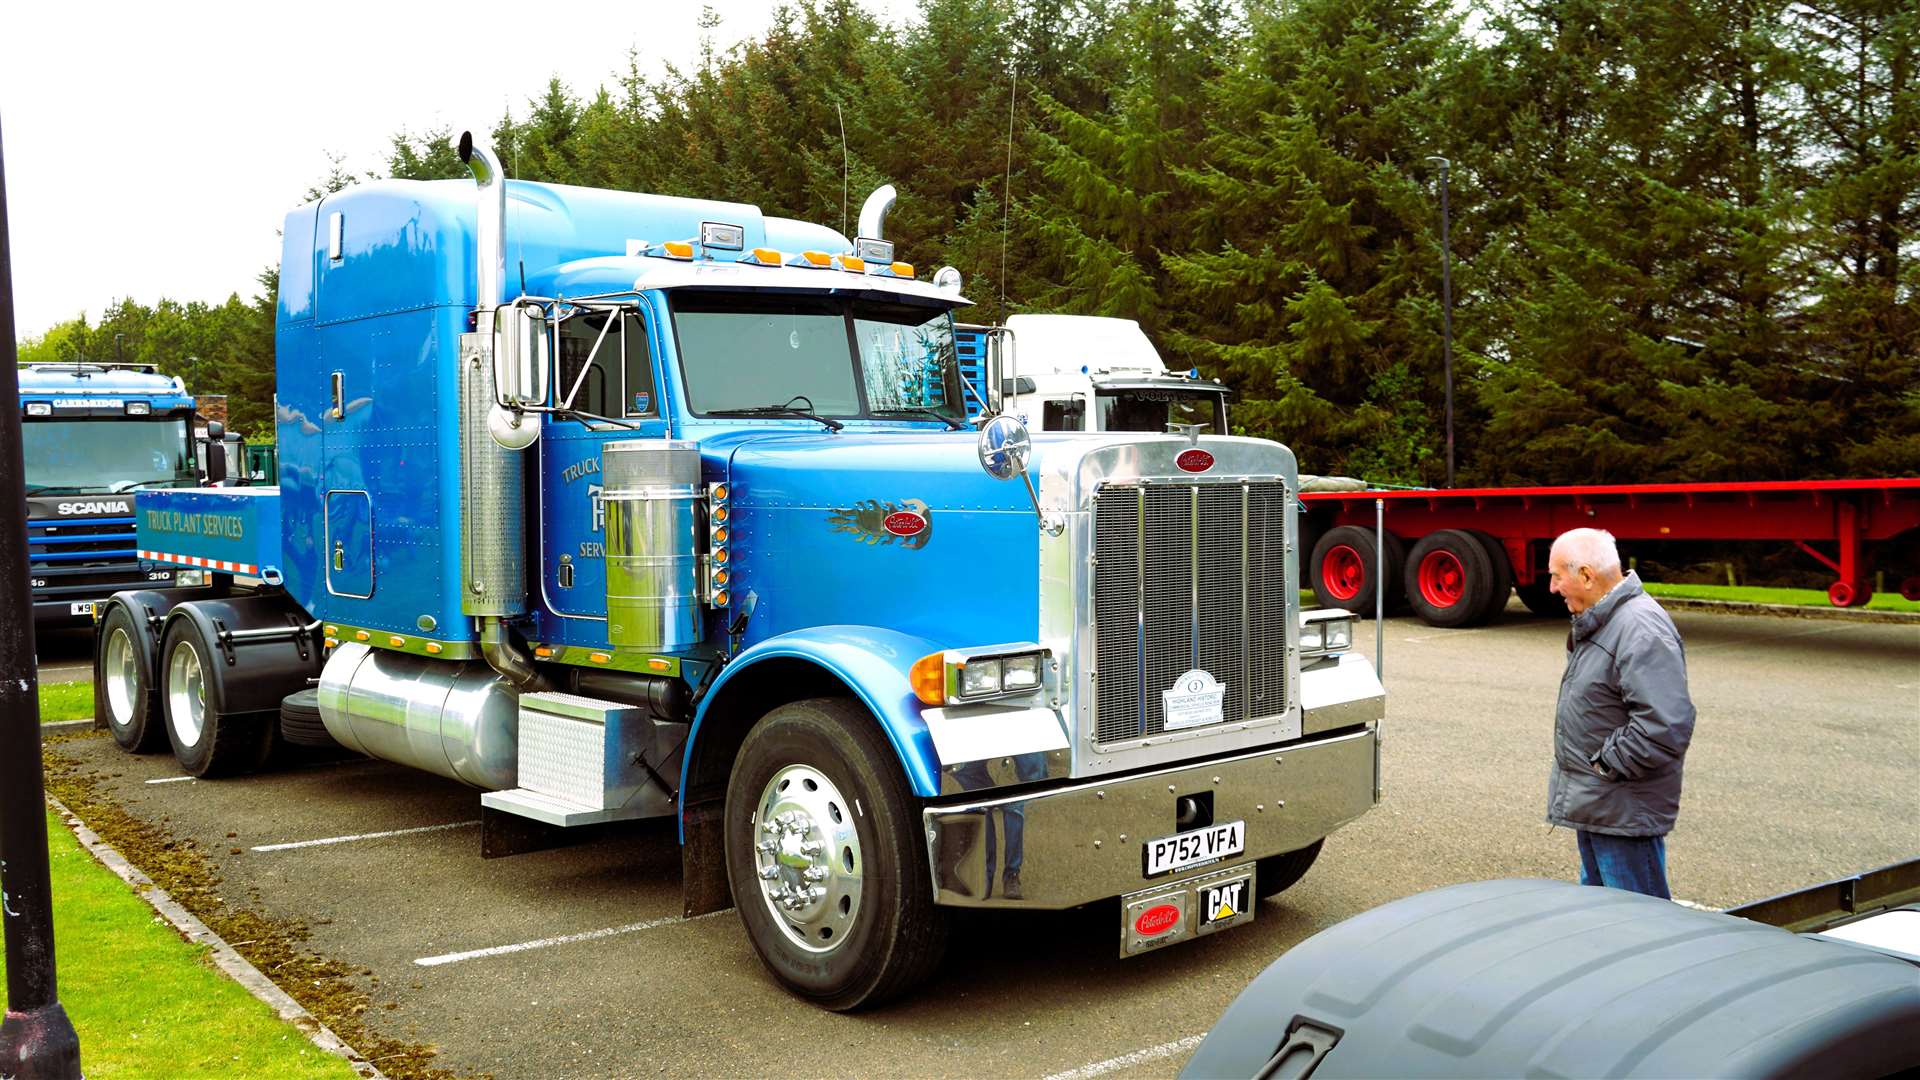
x=364, y=836
x=564, y=939
x=170, y=779
x=1127, y=1061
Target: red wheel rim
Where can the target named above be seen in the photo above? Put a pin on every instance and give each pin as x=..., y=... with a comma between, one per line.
x=1343, y=572
x=1443, y=581
x=1840, y=594
x=1910, y=588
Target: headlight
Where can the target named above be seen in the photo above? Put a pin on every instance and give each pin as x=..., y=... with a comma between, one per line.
x=990, y=671
x=139, y=408
x=1325, y=631
x=189, y=579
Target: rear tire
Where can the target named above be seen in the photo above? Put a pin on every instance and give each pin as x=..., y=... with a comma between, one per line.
x=1502, y=582
x=124, y=674
x=1448, y=578
x=1342, y=569
x=817, y=803
x=1540, y=599
x=1276, y=874
x=207, y=740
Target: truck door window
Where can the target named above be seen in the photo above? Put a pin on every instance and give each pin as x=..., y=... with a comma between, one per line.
x=1063, y=416
x=577, y=336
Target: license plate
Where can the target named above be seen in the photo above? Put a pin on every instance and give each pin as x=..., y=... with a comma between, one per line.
x=1181, y=850
x=81, y=609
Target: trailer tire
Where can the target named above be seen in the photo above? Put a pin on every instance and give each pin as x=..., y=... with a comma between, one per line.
x=124, y=696
x=814, y=775
x=207, y=740
x=1910, y=588
x=1341, y=569
x=1501, y=585
x=1540, y=599
x=1448, y=578
x=1276, y=874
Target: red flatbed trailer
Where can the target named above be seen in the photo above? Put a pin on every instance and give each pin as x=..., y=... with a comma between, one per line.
x=1454, y=553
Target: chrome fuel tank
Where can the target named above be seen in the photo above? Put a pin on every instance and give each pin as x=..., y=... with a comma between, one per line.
x=456, y=719
x=653, y=560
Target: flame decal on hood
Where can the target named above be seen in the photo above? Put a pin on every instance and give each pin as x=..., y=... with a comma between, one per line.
x=872, y=522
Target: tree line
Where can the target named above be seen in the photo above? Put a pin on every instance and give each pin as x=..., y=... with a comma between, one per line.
x=1683, y=235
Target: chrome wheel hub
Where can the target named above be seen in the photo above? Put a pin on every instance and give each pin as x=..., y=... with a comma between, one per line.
x=122, y=677
x=807, y=856
x=186, y=694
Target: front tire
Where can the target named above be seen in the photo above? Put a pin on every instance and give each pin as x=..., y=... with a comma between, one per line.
x=125, y=680
x=207, y=740
x=825, y=858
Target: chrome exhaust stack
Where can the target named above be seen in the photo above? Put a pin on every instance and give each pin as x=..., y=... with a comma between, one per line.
x=493, y=478
x=873, y=212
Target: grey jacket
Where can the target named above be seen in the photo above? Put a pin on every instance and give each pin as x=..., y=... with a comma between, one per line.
x=1623, y=707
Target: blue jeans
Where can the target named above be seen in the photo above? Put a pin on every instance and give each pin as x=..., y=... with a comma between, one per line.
x=1634, y=863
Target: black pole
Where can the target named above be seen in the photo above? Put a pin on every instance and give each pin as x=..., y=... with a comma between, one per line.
x=36, y=1040
x=1446, y=308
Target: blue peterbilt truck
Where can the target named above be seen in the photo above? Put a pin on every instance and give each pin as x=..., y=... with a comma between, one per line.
x=614, y=505
x=91, y=434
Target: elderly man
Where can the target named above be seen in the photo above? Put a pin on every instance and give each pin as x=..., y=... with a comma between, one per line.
x=1624, y=718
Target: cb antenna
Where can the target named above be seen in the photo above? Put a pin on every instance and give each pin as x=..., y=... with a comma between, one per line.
x=843, y=167
x=1006, y=205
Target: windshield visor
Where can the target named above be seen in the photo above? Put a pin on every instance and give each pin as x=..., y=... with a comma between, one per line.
x=86, y=456
x=1152, y=408
x=828, y=356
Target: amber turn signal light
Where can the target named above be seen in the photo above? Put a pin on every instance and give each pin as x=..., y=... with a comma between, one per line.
x=929, y=678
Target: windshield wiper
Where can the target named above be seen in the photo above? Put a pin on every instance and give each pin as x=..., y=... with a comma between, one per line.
x=780, y=410
x=931, y=414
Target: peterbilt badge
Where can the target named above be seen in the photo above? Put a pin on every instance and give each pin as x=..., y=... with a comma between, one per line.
x=907, y=522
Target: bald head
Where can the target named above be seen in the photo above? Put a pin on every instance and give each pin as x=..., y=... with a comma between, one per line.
x=1583, y=565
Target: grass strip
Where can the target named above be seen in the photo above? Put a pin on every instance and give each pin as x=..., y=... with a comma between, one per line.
x=328, y=989
x=144, y=1002
x=65, y=701
x=1760, y=594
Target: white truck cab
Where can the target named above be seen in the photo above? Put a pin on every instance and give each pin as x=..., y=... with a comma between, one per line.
x=1091, y=373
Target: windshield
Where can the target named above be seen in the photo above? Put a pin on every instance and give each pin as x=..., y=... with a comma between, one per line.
x=109, y=455
x=828, y=356
x=1152, y=408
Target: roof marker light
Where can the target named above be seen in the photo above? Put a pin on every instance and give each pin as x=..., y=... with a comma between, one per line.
x=764, y=257
x=677, y=249
x=812, y=258
x=902, y=269
x=854, y=263
x=721, y=236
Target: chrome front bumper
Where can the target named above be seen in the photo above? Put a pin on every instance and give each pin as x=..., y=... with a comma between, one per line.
x=1073, y=845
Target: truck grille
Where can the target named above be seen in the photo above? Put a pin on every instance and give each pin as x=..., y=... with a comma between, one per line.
x=63, y=541
x=1188, y=576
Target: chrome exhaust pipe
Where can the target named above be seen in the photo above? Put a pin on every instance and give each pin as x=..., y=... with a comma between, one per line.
x=493, y=531
x=491, y=233
x=873, y=212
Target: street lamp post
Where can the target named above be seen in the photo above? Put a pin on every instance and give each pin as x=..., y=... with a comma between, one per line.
x=1446, y=307
x=37, y=1039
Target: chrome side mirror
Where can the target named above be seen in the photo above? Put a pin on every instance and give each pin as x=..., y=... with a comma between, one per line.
x=1005, y=449
x=520, y=355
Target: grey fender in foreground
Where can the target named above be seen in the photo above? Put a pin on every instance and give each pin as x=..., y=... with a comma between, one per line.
x=1552, y=979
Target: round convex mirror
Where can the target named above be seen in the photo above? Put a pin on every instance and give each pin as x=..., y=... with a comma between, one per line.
x=1005, y=447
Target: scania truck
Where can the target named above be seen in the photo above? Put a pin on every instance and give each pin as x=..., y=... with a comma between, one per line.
x=615, y=506
x=91, y=435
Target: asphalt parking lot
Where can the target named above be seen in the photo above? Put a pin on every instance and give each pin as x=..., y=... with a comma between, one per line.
x=574, y=963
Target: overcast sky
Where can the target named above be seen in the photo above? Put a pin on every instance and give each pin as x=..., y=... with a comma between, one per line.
x=154, y=149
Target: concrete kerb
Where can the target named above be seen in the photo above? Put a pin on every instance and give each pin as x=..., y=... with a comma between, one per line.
x=223, y=954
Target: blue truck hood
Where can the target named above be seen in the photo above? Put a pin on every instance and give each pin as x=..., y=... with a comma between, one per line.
x=884, y=528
